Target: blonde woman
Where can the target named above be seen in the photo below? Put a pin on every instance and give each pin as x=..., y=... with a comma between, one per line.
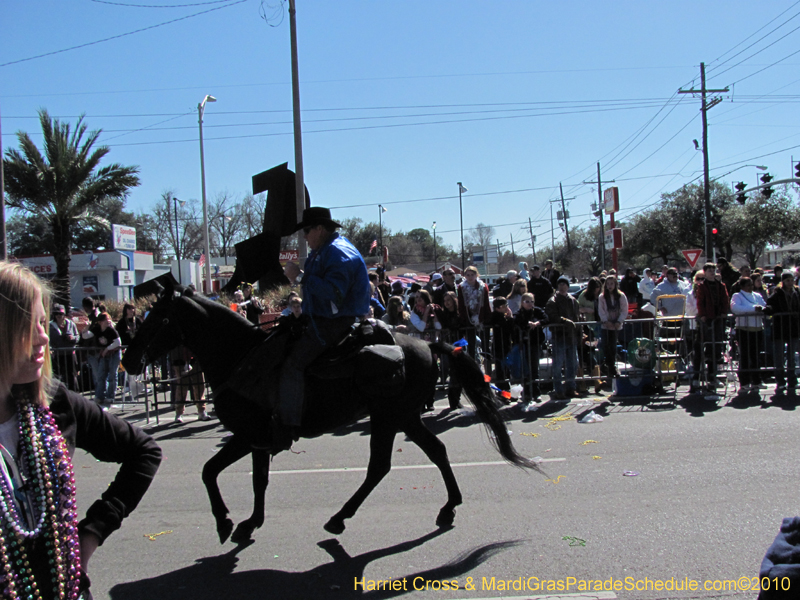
x=44, y=549
x=612, y=306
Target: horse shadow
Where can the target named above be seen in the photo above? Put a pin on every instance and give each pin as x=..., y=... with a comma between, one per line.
x=215, y=576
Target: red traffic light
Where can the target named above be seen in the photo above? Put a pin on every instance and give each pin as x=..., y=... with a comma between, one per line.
x=714, y=231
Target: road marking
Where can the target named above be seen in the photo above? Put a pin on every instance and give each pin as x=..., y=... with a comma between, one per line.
x=406, y=467
x=578, y=596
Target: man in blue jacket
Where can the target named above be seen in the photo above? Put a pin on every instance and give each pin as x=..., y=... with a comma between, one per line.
x=336, y=294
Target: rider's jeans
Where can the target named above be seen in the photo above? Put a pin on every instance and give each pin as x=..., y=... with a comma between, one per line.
x=320, y=335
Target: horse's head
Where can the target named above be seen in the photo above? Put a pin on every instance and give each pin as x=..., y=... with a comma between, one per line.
x=160, y=331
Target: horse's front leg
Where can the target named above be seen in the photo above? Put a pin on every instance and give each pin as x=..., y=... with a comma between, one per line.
x=244, y=530
x=234, y=449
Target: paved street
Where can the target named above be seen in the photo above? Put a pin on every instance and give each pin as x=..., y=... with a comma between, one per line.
x=714, y=482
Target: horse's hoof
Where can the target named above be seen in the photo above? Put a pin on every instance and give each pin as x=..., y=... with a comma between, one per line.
x=224, y=530
x=446, y=517
x=334, y=526
x=243, y=533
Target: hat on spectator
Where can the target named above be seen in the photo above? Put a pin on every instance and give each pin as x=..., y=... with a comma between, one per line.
x=436, y=277
x=564, y=279
x=536, y=268
x=58, y=309
x=397, y=286
x=511, y=273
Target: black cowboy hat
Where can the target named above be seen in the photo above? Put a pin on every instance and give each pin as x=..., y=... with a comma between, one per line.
x=316, y=215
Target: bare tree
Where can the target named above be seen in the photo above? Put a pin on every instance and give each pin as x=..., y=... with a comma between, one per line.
x=481, y=235
x=226, y=223
x=252, y=211
x=181, y=220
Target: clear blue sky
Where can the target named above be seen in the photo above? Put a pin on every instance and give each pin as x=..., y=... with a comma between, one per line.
x=402, y=99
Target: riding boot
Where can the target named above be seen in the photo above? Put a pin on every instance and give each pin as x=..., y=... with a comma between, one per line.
x=281, y=437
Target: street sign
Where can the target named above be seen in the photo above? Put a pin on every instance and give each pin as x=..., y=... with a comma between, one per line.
x=691, y=256
x=611, y=200
x=123, y=237
x=613, y=239
x=124, y=278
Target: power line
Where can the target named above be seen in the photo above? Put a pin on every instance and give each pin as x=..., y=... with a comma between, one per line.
x=159, y=5
x=368, y=127
x=756, y=42
x=121, y=35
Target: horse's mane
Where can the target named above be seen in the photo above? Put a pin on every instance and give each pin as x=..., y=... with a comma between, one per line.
x=221, y=314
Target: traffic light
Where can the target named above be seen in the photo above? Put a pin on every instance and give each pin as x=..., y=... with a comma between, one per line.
x=741, y=197
x=714, y=231
x=797, y=170
x=767, y=191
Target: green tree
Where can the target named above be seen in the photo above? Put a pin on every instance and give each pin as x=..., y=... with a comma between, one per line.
x=762, y=221
x=64, y=184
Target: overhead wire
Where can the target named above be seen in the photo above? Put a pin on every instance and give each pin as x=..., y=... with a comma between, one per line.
x=159, y=5
x=711, y=72
x=121, y=35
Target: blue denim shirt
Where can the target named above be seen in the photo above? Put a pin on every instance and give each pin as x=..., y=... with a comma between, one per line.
x=335, y=283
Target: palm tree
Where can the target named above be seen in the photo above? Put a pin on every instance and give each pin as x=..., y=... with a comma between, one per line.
x=63, y=185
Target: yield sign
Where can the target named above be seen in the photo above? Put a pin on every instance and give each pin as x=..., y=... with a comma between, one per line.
x=692, y=256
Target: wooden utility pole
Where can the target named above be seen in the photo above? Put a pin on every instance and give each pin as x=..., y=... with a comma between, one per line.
x=565, y=215
x=704, y=107
x=3, y=244
x=299, y=176
x=600, y=208
x=533, y=240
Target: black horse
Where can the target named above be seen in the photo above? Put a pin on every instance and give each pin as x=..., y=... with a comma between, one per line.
x=219, y=339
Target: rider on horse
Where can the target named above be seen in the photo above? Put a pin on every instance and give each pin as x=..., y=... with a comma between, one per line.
x=336, y=293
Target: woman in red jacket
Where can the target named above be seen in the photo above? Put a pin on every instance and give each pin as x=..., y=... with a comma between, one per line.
x=713, y=305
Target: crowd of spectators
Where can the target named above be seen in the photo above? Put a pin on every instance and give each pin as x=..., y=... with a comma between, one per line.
x=718, y=314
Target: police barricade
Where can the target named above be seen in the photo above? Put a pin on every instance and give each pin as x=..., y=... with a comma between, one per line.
x=77, y=368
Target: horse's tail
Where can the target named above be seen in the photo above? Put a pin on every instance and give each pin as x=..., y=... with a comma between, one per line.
x=474, y=384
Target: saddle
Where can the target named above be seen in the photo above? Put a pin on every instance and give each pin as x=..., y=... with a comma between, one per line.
x=367, y=355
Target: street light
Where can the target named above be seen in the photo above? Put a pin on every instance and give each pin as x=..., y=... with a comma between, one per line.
x=461, y=189
x=381, y=210
x=200, y=110
x=178, y=237
x=224, y=238
x=759, y=167
x=435, y=267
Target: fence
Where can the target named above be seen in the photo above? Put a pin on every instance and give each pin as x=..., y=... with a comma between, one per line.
x=650, y=357
x=77, y=367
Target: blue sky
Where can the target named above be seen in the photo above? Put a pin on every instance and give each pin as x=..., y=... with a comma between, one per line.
x=402, y=99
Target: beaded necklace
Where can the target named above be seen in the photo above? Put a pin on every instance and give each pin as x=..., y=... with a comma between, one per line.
x=45, y=454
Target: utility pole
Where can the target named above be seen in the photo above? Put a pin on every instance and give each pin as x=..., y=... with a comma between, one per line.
x=552, y=233
x=3, y=244
x=566, y=216
x=705, y=106
x=600, y=207
x=533, y=240
x=299, y=174
x=513, y=255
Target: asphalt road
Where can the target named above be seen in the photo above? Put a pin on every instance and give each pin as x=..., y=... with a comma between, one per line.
x=714, y=481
